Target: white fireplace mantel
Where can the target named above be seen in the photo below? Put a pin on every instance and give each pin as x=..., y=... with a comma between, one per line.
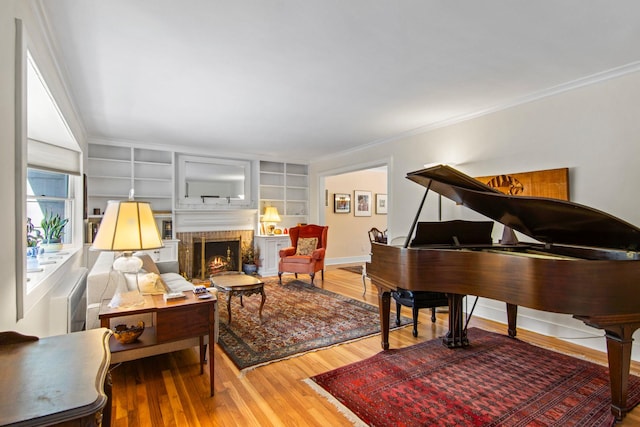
x=215, y=220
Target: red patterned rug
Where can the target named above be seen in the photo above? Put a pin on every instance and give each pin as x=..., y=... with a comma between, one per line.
x=496, y=381
x=296, y=318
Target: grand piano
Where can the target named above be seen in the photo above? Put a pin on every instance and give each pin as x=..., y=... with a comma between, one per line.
x=584, y=262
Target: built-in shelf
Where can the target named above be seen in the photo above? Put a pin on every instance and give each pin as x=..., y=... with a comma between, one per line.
x=114, y=170
x=285, y=186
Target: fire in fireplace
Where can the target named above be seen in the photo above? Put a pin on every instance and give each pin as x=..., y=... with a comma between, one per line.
x=218, y=246
x=215, y=256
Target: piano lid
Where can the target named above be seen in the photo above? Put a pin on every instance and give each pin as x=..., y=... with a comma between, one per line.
x=546, y=220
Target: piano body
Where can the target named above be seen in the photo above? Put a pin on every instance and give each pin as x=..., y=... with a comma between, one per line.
x=587, y=265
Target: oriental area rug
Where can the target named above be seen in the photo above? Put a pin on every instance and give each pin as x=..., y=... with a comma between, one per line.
x=297, y=317
x=496, y=381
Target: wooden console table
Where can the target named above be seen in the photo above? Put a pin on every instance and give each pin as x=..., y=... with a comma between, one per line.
x=57, y=380
x=174, y=322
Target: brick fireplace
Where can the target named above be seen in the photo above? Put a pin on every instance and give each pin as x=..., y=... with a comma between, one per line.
x=201, y=251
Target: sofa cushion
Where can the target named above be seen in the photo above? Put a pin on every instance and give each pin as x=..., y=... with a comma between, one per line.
x=176, y=282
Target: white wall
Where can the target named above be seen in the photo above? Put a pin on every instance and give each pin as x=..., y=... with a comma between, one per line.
x=594, y=130
x=36, y=321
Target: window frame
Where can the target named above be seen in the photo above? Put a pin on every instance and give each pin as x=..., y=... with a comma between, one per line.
x=28, y=296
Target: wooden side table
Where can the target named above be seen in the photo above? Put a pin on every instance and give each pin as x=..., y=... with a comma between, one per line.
x=56, y=380
x=173, y=322
x=240, y=285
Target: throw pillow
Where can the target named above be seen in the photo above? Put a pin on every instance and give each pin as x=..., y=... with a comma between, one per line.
x=306, y=245
x=147, y=284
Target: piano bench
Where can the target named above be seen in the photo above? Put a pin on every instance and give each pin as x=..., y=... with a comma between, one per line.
x=417, y=300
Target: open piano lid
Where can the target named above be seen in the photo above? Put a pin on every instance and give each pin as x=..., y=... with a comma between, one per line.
x=546, y=220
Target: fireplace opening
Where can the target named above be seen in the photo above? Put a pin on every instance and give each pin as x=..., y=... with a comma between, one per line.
x=215, y=256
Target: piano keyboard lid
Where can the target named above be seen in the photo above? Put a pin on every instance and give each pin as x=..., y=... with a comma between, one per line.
x=549, y=221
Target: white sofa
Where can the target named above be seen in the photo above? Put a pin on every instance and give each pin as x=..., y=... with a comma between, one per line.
x=100, y=287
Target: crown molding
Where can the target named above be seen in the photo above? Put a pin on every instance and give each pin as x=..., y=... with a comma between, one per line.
x=592, y=79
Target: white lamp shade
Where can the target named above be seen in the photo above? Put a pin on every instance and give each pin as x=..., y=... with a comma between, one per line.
x=127, y=226
x=271, y=214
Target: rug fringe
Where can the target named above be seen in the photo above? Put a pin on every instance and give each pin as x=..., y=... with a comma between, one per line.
x=348, y=414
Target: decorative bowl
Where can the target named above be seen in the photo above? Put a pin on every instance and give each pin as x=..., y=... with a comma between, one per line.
x=128, y=334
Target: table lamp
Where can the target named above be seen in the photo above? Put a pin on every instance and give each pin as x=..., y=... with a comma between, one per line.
x=270, y=217
x=127, y=226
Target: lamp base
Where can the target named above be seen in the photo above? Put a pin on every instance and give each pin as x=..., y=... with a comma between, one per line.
x=125, y=297
x=127, y=263
x=126, y=300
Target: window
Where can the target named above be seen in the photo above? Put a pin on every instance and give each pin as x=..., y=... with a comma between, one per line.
x=48, y=177
x=48, y=192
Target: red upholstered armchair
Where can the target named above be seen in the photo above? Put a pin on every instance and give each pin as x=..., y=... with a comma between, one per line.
x=306, y=253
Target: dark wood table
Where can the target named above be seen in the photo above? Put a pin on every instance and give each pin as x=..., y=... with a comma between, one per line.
x=241, y=285
x=55, y=380
x=174, y=321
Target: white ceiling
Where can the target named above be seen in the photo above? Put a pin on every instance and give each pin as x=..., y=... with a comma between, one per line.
x=297, y=79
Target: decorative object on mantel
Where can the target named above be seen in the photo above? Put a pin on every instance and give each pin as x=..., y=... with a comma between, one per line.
x=269, y=218
x=127, y=334
x=52, y=228
x=127, y=227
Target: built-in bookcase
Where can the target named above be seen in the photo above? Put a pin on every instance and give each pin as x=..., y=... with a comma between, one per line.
x=285, y=186
x=113, y=171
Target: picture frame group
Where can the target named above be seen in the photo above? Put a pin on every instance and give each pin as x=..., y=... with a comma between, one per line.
x=363, y=203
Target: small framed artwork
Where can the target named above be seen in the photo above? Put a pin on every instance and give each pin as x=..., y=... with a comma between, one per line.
x=362, y=203
x=381, y=204
x=341, y=203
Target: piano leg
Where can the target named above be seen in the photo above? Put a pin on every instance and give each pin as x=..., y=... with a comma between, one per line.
x=512, y=314
x=619, y=356
x=457, y=335
x=619, y=342
x=384, y=307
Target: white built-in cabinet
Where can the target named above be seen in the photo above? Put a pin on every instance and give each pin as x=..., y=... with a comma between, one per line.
x=167, y=253
x=285, y=186
x=269, y=247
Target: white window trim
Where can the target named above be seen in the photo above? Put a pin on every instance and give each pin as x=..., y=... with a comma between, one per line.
x=54, y=273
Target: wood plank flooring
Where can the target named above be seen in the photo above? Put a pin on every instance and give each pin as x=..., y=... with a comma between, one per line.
x=167, y=390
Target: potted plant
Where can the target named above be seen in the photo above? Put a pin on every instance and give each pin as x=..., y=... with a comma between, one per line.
x=52, y=227
x=250, y=259
x=34, y=237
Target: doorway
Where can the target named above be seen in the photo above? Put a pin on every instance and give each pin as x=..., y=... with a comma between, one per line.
x=348, y=228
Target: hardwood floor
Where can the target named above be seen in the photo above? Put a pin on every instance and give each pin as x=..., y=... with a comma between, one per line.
x=167, y=390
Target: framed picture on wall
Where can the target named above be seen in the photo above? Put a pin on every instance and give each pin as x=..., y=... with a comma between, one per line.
x=381, y=204
x=341, y=203
x=362, y=203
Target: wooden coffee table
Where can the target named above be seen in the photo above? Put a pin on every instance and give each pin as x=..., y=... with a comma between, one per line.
x=241, y=285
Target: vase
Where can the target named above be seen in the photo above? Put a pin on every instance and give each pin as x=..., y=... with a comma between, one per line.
x=33, y=251
x=52, y=246
x=32, y=258
x=249, y=268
